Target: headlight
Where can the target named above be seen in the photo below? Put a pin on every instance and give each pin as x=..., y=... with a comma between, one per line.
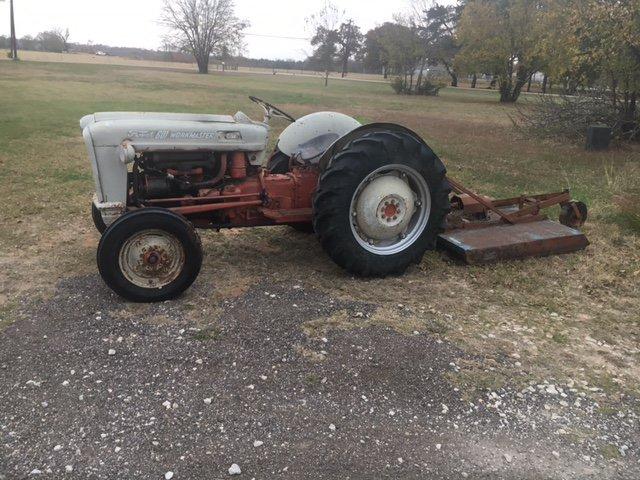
x=126, y=152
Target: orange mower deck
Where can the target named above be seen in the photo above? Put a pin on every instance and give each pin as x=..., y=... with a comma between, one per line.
x=483, y=230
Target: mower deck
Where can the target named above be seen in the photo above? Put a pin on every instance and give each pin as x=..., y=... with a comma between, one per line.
x=485, y=230
x=508, y=242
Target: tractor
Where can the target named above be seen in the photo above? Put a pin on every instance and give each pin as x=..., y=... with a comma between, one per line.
x=375, y=195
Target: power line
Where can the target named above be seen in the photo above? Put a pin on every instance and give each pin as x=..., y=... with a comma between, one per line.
x=277, y=36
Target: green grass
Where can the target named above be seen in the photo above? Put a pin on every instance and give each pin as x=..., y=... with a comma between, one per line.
x=43, y=102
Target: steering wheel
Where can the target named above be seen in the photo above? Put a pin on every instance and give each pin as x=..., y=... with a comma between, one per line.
x=271, y=110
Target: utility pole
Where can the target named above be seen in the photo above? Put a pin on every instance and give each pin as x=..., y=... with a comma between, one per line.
x=14, y=42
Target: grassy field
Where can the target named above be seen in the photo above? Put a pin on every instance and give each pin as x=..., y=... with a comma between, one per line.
x=573, y=316
x=86, y=58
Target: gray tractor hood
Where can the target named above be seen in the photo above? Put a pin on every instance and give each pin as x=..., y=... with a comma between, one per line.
x=180, y=117
x=147, y=131
x=106, y=134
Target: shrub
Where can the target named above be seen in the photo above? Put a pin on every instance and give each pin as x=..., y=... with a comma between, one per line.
x=426, y=87
x=399, y=86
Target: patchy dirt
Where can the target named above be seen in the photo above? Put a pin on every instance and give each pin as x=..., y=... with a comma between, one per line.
x=97, y=388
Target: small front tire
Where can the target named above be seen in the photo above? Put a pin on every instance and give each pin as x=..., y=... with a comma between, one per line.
x=149, y=255
x=97, y=219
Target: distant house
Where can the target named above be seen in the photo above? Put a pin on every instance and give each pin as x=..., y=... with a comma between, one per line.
x=538, y=77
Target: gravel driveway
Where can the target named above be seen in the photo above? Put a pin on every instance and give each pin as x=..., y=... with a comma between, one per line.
x=93, y=387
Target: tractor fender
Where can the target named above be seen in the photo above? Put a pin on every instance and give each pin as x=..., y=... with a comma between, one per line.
x=310, y=135
x=327, y=156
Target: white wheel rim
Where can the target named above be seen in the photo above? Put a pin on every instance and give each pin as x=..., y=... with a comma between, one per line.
x=151, y=258
x=390, y=209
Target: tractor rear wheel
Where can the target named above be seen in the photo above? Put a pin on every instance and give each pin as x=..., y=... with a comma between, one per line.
x=302, y=227
x=149, y=255
x=381, y=203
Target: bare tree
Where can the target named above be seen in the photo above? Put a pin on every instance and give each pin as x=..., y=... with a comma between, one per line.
x=204, y=28
x=55, y=40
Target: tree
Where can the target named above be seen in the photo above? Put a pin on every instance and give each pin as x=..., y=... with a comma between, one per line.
x=203, y=27
x=349, y=39
x=560, y=55
x=595, y=45
x=54, y=40
x=402, y=52
x=503, y=38
x=591, y=48
x=28, y=43
x=608, y=42
x=437, y=25
x=326, y=38
x=372, y=52
x=325, y=54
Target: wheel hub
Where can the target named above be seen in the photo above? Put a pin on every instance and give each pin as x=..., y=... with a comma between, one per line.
x=152, y=258
x=390, y=209
x=384, y=208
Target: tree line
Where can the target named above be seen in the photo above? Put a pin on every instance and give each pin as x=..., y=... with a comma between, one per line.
x=579, y=45
x=54, y=40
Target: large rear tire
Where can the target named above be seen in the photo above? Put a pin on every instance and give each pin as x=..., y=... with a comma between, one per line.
x=381, y=203
x=302, y=227
x=149, y=255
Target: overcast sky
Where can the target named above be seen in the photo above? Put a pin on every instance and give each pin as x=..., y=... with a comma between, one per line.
x=134, y=23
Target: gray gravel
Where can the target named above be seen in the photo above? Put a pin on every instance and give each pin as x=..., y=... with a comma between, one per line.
x=93, y=387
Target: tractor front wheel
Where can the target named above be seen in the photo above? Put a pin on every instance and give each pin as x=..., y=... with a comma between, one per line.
x=380, y=204
x=97, y=219
x=149, y=255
